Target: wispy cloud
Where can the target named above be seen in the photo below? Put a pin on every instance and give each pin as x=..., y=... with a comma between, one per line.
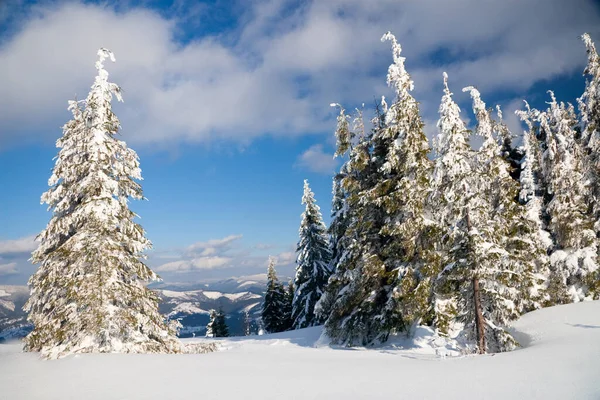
x=8, y=269
x=18, y=246
x=227, y=253
x=315, y=159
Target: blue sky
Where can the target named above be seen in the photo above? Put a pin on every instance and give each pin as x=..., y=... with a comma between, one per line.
x=227, y=103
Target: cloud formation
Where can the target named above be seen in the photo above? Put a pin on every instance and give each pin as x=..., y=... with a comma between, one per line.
x=8, y=269
x=226, y=254
x=18, y=246
x=316, y=160
x=276, y=75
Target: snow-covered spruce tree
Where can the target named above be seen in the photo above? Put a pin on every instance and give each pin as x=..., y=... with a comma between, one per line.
x=453, y=183
x=531, y=194
x=210, y=327
x=573, y=263
x=589, y=106
x=488, y=266
x=219, y=326
x=348, y=285
x=89, y=293
x=247, y=323
x=273, y=309
x=387, y=187
x=312, y=263
x=289, y=304
x=339, y=214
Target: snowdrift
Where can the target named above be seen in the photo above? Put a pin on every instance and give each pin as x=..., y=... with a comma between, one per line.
x=560, y=360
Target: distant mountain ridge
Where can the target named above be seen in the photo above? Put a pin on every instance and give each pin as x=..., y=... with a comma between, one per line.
x=189, y=303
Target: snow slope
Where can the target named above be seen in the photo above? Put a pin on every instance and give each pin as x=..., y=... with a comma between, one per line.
x=560, y=360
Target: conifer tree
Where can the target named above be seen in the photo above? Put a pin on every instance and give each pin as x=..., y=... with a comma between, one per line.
x=589, y=106
x=453, y=184
x=89, y=293
x=489, y=279
x=247, y=323
x=312, y=270
x=219, y=326
x=289, y=304
x=273, y=309
x=340, y=217
x=574, y=264
x=386, y=193
x=210, y=327
x=531, y=194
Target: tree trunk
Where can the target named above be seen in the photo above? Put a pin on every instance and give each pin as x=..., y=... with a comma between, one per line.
x=479, y=323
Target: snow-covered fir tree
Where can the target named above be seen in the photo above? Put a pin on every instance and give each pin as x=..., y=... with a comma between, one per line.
x=339, y=215
x=490, y=279
x=210, y=327
x=89, y=293
x=273, y=309
x=247, y=324
x=346, y=286
x=453, y=184
x=574, y=266
x=219, y=324
x=289, y=306
x=531, y=194
x=312, y=263
x=387, y=187
x=589, y=106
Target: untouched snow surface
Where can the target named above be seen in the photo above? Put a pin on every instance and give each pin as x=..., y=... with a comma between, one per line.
x=560, y=360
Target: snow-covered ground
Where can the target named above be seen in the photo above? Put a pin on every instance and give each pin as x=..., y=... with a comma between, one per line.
x=560, y=360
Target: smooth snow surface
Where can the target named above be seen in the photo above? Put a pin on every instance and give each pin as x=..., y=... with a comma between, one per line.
x=561, y=360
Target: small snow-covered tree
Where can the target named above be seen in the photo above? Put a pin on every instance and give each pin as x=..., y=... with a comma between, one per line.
x=273, y=309
x=219, y=326
x=312, y=263
x=210, y=327
x=247, y=324
x=289, y=304
x=89, y=293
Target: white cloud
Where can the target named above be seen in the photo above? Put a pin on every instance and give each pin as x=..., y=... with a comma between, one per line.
x=228, y=253
x=280, y=74
x=316, y=160
x=18, y=246
x=8, y=269
x=200, y=263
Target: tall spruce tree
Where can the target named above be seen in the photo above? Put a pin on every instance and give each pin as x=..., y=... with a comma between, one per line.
x=386, y=185
x=312, y=264
x=453, y=184
x=273, y=309
x=489, y=279
x=340, y=218
x=574, y=264
x=589, y=106
x=531, y=194
x=89, y=293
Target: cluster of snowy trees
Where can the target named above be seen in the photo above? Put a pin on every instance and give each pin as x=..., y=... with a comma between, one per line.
x=296, y=308
x=462, y=240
